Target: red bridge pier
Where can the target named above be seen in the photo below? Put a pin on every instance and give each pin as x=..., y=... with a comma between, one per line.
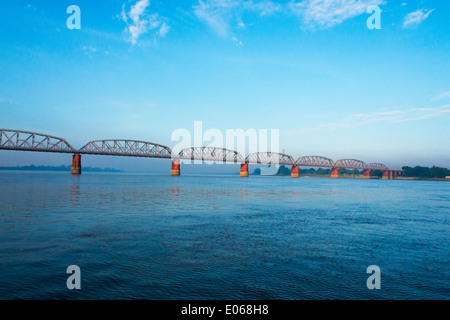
x=391, y=174
x=295, y=173
x=334, y=173
x=175, y=168
x=76, y=164
x=366, y=174
x=244, y=170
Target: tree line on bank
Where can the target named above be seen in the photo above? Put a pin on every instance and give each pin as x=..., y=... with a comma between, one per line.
x=58, y=168
x=416, y=172
x=285, y=171
x=425, y=172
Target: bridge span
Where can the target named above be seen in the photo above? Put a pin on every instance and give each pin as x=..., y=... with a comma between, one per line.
x=16, y=140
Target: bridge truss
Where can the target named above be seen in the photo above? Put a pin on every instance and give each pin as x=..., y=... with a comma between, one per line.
x=211, y=154
x=32, y=141
x=126, y=148
x=315, y=161
x=351, y=164
x=270, y=158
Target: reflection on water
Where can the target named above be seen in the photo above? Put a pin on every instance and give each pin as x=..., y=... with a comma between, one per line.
x=222, y=237
x=74, y=194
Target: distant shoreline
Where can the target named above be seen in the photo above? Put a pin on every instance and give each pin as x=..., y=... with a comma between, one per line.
x=376, y=178
x=414, y=174
x=57, y=169
x=112, y=170
x=346, y=176
x=422, y=179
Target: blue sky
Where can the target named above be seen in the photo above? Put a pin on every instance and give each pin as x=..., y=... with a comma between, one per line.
x=311, y=68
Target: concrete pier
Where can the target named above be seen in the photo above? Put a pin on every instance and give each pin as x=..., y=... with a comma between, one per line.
x=244, y=170
x=76, y=164
x=175, y=168
x=334, y=173
x=295, y=172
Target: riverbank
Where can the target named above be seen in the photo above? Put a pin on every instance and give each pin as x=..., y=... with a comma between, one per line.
x=422, y=179
x=375, y=178
x=58, y=169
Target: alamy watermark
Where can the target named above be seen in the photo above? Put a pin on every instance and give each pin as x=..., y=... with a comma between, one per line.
x=374, y=21
x=74, y=281
x=74, y=20
x=374, y=281
x=244, y=142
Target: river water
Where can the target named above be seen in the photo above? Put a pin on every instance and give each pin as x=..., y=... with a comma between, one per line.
x=221, y=237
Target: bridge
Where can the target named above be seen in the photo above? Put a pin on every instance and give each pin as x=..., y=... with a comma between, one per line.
x=16, y=140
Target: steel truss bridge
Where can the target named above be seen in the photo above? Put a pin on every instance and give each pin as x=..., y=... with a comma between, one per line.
x=36, y=142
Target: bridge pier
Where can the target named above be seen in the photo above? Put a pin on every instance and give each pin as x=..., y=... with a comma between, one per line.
x=76, y=164
x=244, y=170
x=391, y=174
x=366, y=174
x=334, y=173
x=295, y=172
x=175, y=168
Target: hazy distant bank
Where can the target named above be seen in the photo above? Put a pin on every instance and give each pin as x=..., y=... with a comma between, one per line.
x=58, y=168
x=417, y=173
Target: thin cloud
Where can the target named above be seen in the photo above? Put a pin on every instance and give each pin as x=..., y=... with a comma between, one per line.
x=395, y=116
x=89, y=51
x=441, y=96
x=219, y=15
x=416, y=17
x=263, y=8
x=222, y=15
x=163, y=30
x=237, y=41
x=324, y=14
x=432, y=113
x=139, y=22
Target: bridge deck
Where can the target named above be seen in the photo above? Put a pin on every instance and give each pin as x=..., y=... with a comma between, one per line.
x=35, y=142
